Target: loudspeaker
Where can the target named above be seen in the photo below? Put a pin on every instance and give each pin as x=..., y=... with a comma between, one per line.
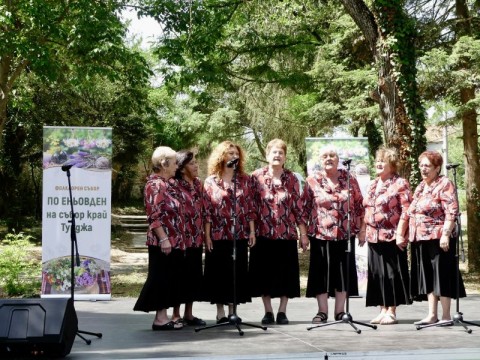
x=37, y=327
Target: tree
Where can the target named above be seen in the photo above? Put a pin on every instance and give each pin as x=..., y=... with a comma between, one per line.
x=52, y=39
x=280, y=65
x=390, y=33
x=448, y=73
x=470, y=104
x=66, y=52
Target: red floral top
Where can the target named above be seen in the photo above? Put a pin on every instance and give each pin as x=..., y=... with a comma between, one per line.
x=218, y=206
x=164, y=209
x=430, y=208
x=385, y=208
x=325, y=208
x=192, y=210
x=279, y=206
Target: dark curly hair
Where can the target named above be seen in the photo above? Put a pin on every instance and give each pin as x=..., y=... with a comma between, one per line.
x=183, y=158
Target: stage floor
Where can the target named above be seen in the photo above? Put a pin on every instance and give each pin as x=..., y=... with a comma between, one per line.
x=128, y=335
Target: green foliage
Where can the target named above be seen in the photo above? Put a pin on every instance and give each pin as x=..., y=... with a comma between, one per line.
x=19, y=270
x=398, y=40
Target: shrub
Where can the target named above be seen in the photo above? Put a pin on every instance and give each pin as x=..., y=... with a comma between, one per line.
x=19, y=270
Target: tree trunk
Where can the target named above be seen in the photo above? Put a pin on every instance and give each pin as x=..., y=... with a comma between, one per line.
x=4, y=92
x=3, y=121
x=470, y=146
x=396, y=124
x=472, y=180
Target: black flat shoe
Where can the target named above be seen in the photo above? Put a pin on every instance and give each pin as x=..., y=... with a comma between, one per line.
x=171, y=325
x=194, y=322
x=222, y=320
x=282, y=318
x=268, y=319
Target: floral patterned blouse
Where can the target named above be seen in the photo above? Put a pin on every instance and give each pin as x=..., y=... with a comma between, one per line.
x=164, y=209
x=325, y=208
x=192, y=210
x=431, y=207
x=218, y=206
x=385, y=208
x=279, y=206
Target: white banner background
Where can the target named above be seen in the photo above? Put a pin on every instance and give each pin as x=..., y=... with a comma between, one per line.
x=89, y=151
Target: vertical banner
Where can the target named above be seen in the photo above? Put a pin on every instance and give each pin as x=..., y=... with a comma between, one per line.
x=86, y=154
x=355, y=149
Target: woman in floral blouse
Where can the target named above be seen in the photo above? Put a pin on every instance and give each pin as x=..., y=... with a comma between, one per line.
x=165, y=241
x=219, y=231
x=191, y=189
x=386, y=204
x=432, y=215
x=325, y=209
x=274, y=269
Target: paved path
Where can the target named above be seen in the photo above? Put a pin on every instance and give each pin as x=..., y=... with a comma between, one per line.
x=127, y=334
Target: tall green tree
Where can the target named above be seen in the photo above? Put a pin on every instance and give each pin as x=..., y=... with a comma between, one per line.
x=66, y=51
x=469, y=115
x=390, y=33
x=448, y=74
x=50, y=38
x=275, y=61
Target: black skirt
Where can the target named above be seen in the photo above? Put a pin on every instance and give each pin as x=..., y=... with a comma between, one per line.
x=162, y=289
x=434, y=270
x=193, y=275
x=274, y=269
x=328, y=268
x=388, y=278
x=219, y=275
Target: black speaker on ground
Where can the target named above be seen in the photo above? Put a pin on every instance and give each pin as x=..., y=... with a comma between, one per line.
x=37, y=327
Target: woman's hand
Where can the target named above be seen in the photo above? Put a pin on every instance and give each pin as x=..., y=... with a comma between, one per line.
x=361, y=238
x=251, y=239
x=208, y=244
x=304, y=242
x=401, y=242
x=445, y=242
x=166, y=247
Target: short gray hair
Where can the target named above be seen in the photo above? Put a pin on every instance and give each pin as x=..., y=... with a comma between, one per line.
x=160, y=157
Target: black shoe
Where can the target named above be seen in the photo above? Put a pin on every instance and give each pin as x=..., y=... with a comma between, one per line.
x=194, y=322
x=268, y=319
x=222, y=320
x=282, y=318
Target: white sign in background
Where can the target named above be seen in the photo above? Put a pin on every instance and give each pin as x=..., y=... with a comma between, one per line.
x=88, y=150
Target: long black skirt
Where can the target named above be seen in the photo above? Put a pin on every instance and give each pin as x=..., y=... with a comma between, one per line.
x=162, y=289
x=193, y=275
x=434, y=270
x=328, y=268
x=274, y=269
x=388, y=278
x=219, y=274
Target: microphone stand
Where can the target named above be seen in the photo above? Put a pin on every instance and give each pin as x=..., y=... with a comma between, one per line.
x=74, y=251
x=233, y=319
x=347, y=317
x=458, y=317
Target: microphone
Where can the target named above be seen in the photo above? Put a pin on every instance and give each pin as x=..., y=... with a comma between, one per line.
x=346, y=162
x=452, y=166
x=233, y=162
x=66, y=167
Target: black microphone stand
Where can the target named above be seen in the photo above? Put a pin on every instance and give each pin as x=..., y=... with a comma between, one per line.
x=347, y=317
x=74, y=251
x=233, y=319
x=458, y=317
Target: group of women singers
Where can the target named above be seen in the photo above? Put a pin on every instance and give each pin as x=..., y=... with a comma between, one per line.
x=270, y=217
